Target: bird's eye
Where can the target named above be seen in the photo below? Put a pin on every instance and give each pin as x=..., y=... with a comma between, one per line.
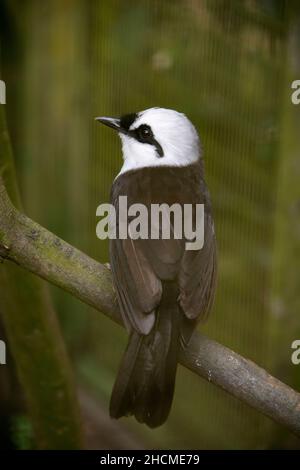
x=145, y=135
x=145, y=132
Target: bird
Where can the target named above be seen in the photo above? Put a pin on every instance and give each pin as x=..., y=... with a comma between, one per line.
x=163, y=289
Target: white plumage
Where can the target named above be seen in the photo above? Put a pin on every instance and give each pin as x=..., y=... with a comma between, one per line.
x=174, y=132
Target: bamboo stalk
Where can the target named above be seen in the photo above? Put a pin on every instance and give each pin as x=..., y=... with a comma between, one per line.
x=35, y=338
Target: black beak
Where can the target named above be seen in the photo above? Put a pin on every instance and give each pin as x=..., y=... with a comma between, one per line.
x=114, y=123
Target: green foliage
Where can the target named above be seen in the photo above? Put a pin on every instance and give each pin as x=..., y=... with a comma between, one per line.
x=22, y=433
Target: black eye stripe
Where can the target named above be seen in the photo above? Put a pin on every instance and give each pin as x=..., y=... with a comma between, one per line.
x=144, y=134
x=127, y=120
x=159, y=148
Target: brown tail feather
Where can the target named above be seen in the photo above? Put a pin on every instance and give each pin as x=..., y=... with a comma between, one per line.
x=145, y=383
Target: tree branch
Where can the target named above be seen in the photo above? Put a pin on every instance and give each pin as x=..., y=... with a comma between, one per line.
x=44, y=254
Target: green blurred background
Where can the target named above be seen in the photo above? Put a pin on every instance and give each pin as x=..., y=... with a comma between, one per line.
x=229, y=66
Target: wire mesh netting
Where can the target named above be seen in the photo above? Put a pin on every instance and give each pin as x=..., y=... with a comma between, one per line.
x=227, y=65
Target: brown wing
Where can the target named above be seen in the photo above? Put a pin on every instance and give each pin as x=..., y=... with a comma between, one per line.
x=197, y=277
x=138, y=288
x=138, y=268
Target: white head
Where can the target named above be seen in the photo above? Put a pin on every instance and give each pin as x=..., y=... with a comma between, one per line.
x=156, y=137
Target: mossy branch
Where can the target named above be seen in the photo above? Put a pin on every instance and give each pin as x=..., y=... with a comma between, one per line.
x=32, y=247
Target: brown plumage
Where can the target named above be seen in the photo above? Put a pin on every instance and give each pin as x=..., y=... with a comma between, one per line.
x=163, y=291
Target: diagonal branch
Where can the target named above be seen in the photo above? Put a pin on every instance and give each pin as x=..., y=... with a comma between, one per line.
x=44, y=254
